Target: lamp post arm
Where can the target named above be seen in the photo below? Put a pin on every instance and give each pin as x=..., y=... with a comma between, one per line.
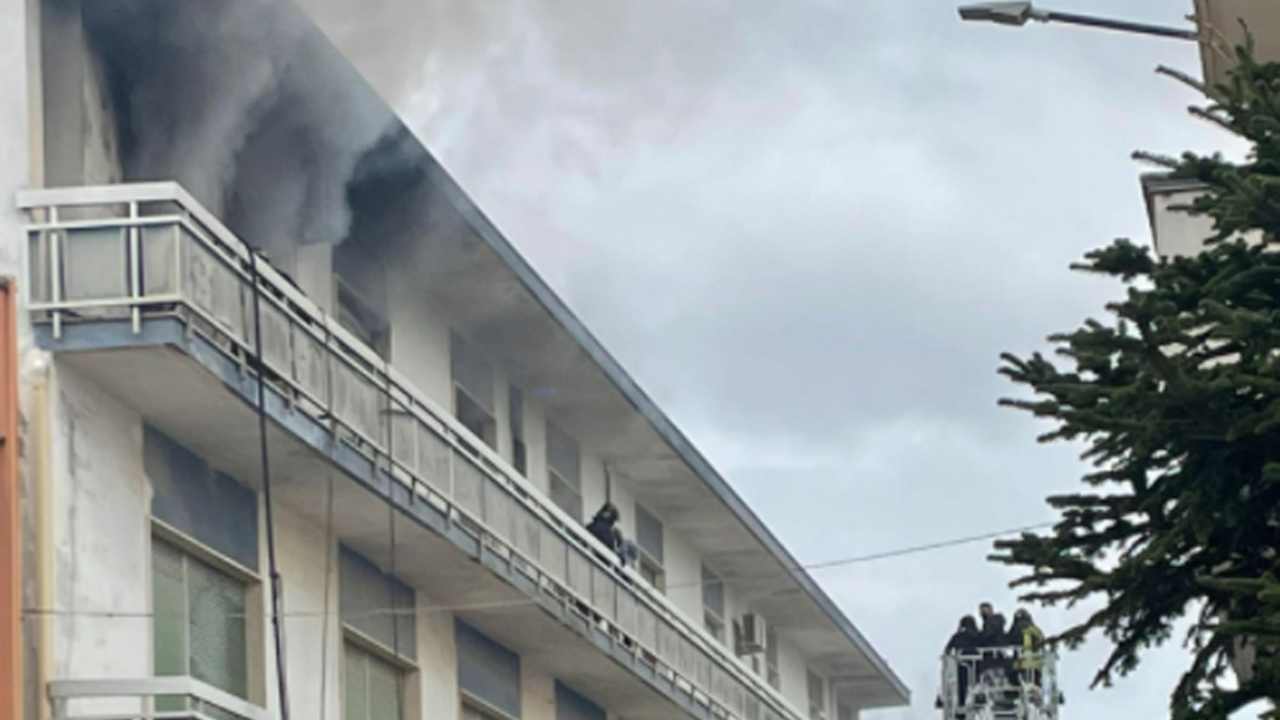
x=1121, y=25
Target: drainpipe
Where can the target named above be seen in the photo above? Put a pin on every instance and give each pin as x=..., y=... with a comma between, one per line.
x=11, y=690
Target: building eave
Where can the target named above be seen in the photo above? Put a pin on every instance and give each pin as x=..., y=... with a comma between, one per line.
x=665, y=428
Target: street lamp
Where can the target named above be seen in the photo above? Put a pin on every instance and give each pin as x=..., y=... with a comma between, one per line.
x=1018, y=13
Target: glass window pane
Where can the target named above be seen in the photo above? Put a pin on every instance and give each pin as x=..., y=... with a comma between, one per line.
x=169, y=605
x=565, y=497
x=649, y=533
x=355, y=692
x=217, y=628
x=712, y=592
x=384, y=690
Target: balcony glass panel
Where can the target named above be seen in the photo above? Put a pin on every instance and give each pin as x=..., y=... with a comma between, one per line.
x=528, y=533
x=277, y=351
x=94, y=264
x=499, y=515
x=467, y=481
x=355, y=401
x=554, y=555
x=212, y=287
x=39, y=266
x=159, y=245
x=604, y=592
x=579, y=574
x=433, y=460
x=309, y=364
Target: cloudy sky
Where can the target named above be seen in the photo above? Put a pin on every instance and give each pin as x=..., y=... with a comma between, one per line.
x=808, y=228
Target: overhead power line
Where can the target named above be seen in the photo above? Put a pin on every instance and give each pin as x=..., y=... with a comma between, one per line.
x=428, y=609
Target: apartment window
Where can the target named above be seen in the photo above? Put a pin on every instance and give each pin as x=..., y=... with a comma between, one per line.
x=649, y=534
x=713, y=603
x=360, y=294
x=488, y=676
x=473, y=390
x=376, y=607
x=519, y=452
x=363, y=317
x=199, y=620
x=379, y=638
x=204, y=556
x=372, y=687
x=564, y=481
x=772, y=676
x=817, y=696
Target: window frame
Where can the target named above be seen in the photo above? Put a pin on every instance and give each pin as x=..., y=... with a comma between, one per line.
x=818, y=709
x=463, y=401
x=650, y=567
x=355, y=316
x=479, y=705
x=373, y=651
x=713, y=619
x=515, y=425
x=556, y=477
x=771, y=650
x=191, y=550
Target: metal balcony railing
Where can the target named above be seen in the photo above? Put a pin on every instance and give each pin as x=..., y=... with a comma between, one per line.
x=159, y=698
x=140, y=251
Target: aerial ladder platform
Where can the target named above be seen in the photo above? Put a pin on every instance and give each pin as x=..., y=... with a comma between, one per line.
x=995, y=684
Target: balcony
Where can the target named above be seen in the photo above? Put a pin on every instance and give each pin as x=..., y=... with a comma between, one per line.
x=178, y=698
x=123, y=276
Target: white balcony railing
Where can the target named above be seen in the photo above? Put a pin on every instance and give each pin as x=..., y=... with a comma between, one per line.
x=142, y=251
x=159, y=698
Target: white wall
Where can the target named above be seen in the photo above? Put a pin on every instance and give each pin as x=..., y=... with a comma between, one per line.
x=419, y=340
x=1178, y=234
x=438, y=665
x=100, y=531
x=313, y=643
x=793, y=673
x=537, y=693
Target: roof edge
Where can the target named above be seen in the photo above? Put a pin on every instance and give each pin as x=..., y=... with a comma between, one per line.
x=645, y=405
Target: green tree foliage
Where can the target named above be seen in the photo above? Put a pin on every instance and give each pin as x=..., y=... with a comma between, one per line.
x=1176, y=398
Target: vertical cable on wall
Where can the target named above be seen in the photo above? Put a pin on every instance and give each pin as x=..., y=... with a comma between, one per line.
x=277, y=586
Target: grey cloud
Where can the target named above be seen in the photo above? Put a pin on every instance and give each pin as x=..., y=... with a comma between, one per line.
x=808, y=229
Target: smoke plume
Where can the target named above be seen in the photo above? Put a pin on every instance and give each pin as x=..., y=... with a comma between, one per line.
x=244, y=103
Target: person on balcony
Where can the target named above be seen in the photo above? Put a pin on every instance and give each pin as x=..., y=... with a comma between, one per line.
x=604, y=527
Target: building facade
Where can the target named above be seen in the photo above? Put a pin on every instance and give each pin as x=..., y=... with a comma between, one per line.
x=1223, y=25
x=220, y=219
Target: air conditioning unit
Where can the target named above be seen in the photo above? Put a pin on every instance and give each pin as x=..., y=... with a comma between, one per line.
x=752, y=639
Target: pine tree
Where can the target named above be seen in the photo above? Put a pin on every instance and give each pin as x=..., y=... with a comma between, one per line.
x=1176, y=398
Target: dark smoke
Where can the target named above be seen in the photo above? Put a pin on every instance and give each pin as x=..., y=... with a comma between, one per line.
x=243, y=102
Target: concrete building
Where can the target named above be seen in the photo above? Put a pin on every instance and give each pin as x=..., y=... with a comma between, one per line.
x=212, y=203
x=1222, y=25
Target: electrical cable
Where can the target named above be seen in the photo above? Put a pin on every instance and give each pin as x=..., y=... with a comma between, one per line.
x=395, y=617
x=425, y=609
x=277, y=587
x=328, y=585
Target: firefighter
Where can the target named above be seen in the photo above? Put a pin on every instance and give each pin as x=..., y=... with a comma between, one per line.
x=964, y=645
x=993, y=626
x=1030, y=643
